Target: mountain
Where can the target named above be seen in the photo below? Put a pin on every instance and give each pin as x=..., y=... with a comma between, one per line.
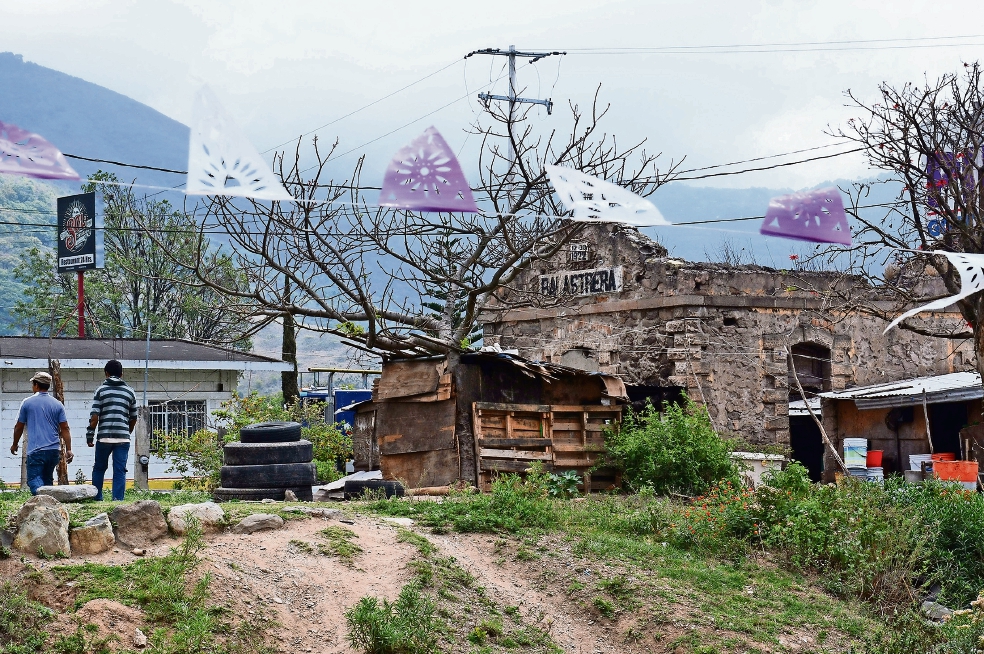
x=86, y=119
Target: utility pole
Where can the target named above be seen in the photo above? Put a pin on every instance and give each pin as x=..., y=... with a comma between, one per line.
x=512, y=98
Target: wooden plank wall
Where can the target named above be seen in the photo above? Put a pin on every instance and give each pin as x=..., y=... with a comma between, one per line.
x=509, y=437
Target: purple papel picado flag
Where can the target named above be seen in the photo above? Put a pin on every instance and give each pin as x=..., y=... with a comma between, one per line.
x=425, y=176
x=816, y=216
x=25, y=153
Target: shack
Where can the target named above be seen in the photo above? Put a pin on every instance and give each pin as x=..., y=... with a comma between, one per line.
x=431, y=423
x=894, y=418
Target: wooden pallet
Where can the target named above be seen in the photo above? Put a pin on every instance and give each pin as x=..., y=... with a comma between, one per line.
x=509, y=437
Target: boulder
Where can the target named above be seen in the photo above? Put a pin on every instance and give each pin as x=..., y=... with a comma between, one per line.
x=74, y=493
x=42, y=527
x=209, y=515
x=935, y=612
x=94, y=537
x=7, y=538
x=258, y=522
x=139, y=524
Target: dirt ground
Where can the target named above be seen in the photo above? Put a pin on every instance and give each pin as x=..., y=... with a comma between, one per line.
x=306, y=594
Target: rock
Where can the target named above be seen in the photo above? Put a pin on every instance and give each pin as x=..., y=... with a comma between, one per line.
x=139, y=638
x=94, y=537
x=267, y=500
x=321, y=495
x=42, y=527
x=935, y=612
x=139, y=524
x=289, y=496
x=208, y=514
x=7, y=538
x=315, y=512
x=258, y=522
x=74, y=493
x=138, y=551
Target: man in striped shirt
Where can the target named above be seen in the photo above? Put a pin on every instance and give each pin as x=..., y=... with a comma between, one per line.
x=114, y=412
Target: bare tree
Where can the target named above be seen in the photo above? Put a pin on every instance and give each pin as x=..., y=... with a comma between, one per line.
x=927, y=138
x=403, y=282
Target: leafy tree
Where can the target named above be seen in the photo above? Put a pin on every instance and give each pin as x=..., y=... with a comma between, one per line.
x=140, y=283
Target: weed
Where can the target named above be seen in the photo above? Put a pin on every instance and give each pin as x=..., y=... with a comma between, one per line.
x=406, y=626
x=604, y=606
x=524, y=553
x=340, y=543
x=512, y=612
x=423, y=545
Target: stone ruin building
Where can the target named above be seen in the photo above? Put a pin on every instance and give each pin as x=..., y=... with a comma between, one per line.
x=615, y=302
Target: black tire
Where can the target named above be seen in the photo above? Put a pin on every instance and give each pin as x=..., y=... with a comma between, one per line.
x=250, y=454
x=355, y=489
x=271, y=432
x=277, y=475
x=303, y=493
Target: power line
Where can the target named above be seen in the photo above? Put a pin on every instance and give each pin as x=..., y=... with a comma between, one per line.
x=808, y=46
x=374, y=102
x=769, y=156
x=779, y=165
x=127, y=165
x=791, y=43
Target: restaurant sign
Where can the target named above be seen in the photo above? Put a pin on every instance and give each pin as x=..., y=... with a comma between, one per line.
x=581, y=282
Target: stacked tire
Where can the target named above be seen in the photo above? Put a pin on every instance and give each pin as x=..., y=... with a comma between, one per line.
x=269, y=459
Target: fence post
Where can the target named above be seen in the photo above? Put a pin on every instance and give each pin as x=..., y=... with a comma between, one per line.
x=141, y=449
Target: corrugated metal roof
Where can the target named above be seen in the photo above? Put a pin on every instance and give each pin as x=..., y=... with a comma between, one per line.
x=798, y=407
x=955, y=387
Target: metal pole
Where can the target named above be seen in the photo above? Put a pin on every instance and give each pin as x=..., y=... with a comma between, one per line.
x=81, y=307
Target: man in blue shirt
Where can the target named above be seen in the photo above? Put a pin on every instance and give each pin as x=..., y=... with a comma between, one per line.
x=45, y=419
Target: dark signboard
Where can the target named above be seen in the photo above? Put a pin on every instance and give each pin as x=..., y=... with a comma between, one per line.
x=77, y=232
x=582, y=282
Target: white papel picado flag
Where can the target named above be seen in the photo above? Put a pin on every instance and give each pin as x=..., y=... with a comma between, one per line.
x=597, y=201
x=971, y=269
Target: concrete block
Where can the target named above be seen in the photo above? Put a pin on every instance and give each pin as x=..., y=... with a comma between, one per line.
x=774, y=395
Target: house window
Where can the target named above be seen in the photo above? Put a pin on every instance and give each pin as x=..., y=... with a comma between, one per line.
x=578, y=252
x=175, y=418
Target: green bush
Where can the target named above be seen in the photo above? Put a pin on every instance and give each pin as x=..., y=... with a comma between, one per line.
x=674, y=451
x=406, y=626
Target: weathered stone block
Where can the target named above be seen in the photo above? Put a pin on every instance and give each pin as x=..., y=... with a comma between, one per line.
x=675, y=326
x=258, y=522
x=139, y=524
x=72, y=493
x=94, y=537
x=209, y=515
x=774, y=395
x=42, y=527
x=777, y=422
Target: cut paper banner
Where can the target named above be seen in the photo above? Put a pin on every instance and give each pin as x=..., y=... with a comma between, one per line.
x=971, y=269
x=24, y=153
x=425, y=176
x=221, y=161
x=595, y=200
x=816, y=216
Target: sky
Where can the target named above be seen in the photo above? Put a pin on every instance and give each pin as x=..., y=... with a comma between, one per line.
x=287, y=67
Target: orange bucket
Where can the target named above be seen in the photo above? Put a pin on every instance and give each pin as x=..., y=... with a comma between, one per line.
x=955, y=470
x=873, y=459
x=945, y=456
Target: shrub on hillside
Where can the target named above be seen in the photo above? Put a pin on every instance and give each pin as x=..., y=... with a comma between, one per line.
x=675, y=450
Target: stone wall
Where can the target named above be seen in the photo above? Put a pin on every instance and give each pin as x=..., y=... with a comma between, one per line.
x=719, y=332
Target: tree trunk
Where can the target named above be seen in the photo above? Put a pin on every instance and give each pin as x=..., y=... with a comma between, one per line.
x=288, y=379
x=58, y=391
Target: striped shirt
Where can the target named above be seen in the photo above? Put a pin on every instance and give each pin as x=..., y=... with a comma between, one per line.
x=116, y=406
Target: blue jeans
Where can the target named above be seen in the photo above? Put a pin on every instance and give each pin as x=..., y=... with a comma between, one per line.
x=41, y=466
x=119, y=452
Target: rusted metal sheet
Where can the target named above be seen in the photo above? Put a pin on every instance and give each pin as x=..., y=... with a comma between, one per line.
x=417, y=469
x=403, y=427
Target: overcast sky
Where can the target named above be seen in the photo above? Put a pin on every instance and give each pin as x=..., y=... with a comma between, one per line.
x=288, y=66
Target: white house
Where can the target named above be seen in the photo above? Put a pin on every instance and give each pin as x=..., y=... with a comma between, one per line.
x=186, y=382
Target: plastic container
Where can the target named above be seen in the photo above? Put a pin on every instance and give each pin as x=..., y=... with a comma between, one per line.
x=856, y=452
x=876, y=473
x=955, y=471
x=874, y=458
x=944, y=456
x=915, y=461
x=858, y=471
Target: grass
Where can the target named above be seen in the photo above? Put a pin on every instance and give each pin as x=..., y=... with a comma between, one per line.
x=337, y=543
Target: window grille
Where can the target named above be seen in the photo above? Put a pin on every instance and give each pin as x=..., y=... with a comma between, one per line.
x=175, y=418
x=578, y=252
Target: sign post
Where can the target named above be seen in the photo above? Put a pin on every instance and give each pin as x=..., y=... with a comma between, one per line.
x=77, y=241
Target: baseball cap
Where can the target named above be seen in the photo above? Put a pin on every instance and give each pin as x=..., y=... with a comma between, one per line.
x=42, y=378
